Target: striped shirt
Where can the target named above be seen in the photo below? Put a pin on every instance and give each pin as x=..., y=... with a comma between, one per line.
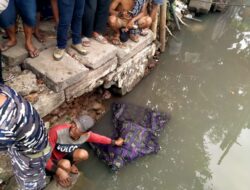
x=20, y=124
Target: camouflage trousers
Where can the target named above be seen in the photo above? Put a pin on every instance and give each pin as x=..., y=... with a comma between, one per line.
x=29, y=172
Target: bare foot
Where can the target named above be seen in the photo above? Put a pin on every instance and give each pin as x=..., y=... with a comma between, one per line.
x=33, y=51
x=7, y=45
x=74, y=169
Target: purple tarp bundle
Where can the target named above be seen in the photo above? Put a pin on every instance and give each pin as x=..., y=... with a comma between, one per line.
x=139, y=127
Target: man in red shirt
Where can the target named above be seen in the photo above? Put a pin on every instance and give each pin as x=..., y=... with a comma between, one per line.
x=65, y=141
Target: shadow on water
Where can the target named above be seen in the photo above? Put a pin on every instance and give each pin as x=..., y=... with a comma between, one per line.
x=203, y=81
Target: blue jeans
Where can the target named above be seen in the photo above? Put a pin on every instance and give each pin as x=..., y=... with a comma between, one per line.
x=70, y=13
x=95, y=17
x=25, y=8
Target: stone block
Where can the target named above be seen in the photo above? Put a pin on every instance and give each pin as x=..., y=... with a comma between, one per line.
x=48, y=101
x=200, y=6
x=91, y=80
x=25, y=83
x=131, y=48
x=127, y=75
x=98, y=54
x=16, y=55
x=57, y=75
x=220, y=5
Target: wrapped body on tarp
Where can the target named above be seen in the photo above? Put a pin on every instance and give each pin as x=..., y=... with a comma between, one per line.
x=139, y=127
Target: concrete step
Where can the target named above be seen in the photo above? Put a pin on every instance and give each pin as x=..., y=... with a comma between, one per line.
x=200, y=6
x=57, y=75
x=16, y=55
x=131, y=48
x=98, y=54
x=91, y=80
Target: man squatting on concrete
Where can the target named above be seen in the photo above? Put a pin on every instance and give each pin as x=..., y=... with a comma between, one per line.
x=24, y=137
x=66, y=141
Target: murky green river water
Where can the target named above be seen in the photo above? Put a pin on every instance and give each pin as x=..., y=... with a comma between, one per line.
x=204, y=82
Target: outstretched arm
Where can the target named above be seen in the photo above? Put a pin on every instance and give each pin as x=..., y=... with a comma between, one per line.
x=96, y=138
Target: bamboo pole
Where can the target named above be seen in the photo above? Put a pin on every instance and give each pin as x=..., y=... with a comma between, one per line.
x=154, y=27
x=163, y=18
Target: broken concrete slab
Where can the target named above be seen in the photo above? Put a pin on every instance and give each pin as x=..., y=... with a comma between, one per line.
x=48, y=101
x=220, y=5
x=132, y=48
x=91, y=80
x=200, y=6
x=25, y=83
x=57, y=75
x=16, y=55
x=127, y=75
x=98, y=54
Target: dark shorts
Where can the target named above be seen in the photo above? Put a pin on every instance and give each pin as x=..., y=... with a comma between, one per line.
x=25, y=8
x=67, y=157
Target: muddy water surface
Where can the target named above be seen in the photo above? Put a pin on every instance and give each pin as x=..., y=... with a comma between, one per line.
x=204, y=82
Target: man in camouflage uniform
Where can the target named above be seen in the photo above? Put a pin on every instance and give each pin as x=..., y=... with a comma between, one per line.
x=24, y=137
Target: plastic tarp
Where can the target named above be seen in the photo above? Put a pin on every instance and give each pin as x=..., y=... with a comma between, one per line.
x=139, y=127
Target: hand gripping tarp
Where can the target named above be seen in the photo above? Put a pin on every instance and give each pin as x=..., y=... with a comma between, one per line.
x=139, y=127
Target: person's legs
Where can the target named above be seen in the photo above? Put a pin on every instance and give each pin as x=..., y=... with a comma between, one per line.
x=116, y=24
x=66, y=9
x=37, y=33
x=7, y=21
x=55, y=11
x=27, y=11
x=144, y=22
x=101, y=16
x=76, y=24
x=76, y=27
x=62, y=173
x=29, y=173
x=78, y=156
x=89, y=18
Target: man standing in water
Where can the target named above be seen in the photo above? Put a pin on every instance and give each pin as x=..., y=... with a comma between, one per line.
x=24, y=137
x=66, y=141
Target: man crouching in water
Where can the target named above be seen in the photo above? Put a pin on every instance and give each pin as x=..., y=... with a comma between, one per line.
x=122, y=16
x=66, y=140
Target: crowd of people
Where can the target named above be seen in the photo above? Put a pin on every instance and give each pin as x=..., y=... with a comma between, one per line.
x=85, y=18
x=34, y=151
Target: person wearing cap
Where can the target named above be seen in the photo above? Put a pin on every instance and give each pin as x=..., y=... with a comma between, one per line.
x=66, y=141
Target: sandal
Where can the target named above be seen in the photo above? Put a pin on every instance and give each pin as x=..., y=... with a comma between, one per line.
x=86, y=42
x=40, y=37
x=144, y=32
x=33, y=53
x=5, y=46
x=116, y=41
x=100, y=39
x=134, y=37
